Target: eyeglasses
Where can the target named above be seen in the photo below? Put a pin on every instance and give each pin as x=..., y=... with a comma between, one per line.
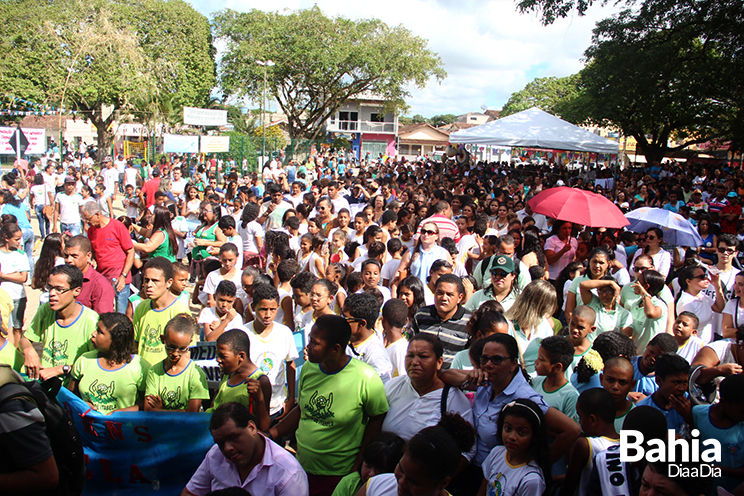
x=352, y=320
x=428, y=232
x=729, y=251
x=57, y=290
x=640, y=269
x=641, y=240
x=173, y=349
x=494, y=359
x=499, y=273
x=607, y=291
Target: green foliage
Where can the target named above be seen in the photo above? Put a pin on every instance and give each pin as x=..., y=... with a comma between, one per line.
x=273, y=134
x=545, y=93
x=550, y=10
x=142, y=57
x=243, y=146
x=320, y=62
x=442, y=120
x=418, y=119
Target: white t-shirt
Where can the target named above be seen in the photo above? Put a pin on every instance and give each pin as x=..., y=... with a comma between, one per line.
x=110, y=176
x=69, y=207
x=389, y=269
x=248, y=235
x=10, y=263
x=209, y=315
x=372, y=352
x=39, y=192
x=410, y=412
x=178, y=187
x=214, y=278
x=737, y=313
x=270, y=354
x=502, y=478
x=130, y=176
x=702, y=306
x=397, y=353
x=120, y=165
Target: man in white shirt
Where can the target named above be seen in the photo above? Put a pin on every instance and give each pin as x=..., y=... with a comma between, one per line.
x=87, y=160
x=110, y=177
x=338, y=201
x=67, y=209
x=121, y=166
x=130, y=174
x=178, y=184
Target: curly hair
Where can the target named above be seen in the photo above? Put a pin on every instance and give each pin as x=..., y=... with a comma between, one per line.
x=609, y=344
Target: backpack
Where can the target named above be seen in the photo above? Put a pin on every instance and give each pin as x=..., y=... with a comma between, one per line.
x=65, y=441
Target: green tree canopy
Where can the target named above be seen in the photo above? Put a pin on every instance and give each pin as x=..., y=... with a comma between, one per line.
x=545, y=93
x=320, y=62
x=103, y=58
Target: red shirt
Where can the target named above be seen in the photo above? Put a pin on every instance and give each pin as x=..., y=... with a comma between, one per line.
x=149, y=189
x=729, y=226
x=110, y=246
x=97, y=292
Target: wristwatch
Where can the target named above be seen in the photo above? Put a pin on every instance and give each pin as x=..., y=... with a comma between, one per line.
x=65, y=370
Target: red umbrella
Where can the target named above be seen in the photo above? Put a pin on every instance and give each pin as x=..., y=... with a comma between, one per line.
x=578, y=206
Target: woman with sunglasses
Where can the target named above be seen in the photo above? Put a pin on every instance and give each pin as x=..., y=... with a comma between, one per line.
x=692, y=281
x=653, y=241
x=425, y=252
x=503, y=380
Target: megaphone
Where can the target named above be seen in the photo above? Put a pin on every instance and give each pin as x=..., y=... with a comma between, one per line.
x=462, y=156
x=451, y=151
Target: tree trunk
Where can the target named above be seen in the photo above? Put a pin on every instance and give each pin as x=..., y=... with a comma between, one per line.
x=105, y=137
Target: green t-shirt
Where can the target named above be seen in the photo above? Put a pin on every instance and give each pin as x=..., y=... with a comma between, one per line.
x=149, y=325
x=164, y=250
x=651, y=327
x=9, y=355
x=334, y=409
x=349, y=485
x=238, y=392
x=633, y=303
x=462, y=361
x=609, y=320
x=562, y=399
x=109, y=390
x=62, y=344
x=175, y=391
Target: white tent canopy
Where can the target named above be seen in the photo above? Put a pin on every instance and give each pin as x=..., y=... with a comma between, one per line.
x=535, y=128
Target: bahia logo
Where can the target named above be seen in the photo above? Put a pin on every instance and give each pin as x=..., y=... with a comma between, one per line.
x=632, y=449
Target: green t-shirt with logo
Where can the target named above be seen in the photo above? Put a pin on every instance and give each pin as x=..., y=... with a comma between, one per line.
x=109, y=390
x=149, y=325
x=9, y=355
x=334, y=409
x=62, y=344
x=175, y=391
x=238, y=392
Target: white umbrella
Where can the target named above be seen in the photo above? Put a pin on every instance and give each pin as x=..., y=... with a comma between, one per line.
x=677, y=230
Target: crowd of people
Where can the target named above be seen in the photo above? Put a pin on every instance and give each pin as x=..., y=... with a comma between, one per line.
x=406, y=327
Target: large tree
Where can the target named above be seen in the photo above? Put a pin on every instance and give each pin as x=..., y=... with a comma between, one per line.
x=106, y=58
x=650, y=76
x=320, y=62
x=545, y=93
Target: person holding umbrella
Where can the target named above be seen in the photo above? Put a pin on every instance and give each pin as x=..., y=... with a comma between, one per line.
x=560, y=248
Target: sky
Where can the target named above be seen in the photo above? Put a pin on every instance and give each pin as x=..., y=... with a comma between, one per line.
x=488, y=49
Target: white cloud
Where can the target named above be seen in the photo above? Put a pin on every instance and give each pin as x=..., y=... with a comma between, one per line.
x=488, y=49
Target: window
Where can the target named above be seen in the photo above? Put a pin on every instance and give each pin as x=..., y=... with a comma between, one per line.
x=377, y=117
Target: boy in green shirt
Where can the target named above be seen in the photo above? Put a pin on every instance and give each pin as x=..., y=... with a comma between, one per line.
x=617, y=378
x=242, y=381
x=553, y=357
x=176, y=384
x=63, y=326
x=580, y=327
x=152, y=314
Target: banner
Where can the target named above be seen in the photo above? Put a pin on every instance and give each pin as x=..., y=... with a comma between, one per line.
x=173, y=143
x=204, y=355
x=36, y=140
x=204, y=117
x=135, y=453
x=135, y=148
x=215, y=144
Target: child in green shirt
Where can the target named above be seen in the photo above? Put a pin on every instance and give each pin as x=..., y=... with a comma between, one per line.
x=242, y=381
x=553, y=356
x=110, y=378
x=580, y=327
x=176, y=384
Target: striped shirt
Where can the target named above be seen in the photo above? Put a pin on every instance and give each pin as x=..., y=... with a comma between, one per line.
x=453, y=332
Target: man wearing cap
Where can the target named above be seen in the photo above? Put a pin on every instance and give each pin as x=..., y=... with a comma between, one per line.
x=501, y=285
x=67, y=209
x=110, y=177
x=696, y=201
x=730, y=214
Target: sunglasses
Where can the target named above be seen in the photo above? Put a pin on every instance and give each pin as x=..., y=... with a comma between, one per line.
x=640, y=269
x=704, y=275
x=500, y=273
x=429, y=232
x=494, y=359
x=649, y=238
x=727, y=250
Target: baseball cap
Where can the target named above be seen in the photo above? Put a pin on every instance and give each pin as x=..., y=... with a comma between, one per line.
x=697, y=191
x=70, y=179
x=560, y=183
x=504, y=263
x=732, y=194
